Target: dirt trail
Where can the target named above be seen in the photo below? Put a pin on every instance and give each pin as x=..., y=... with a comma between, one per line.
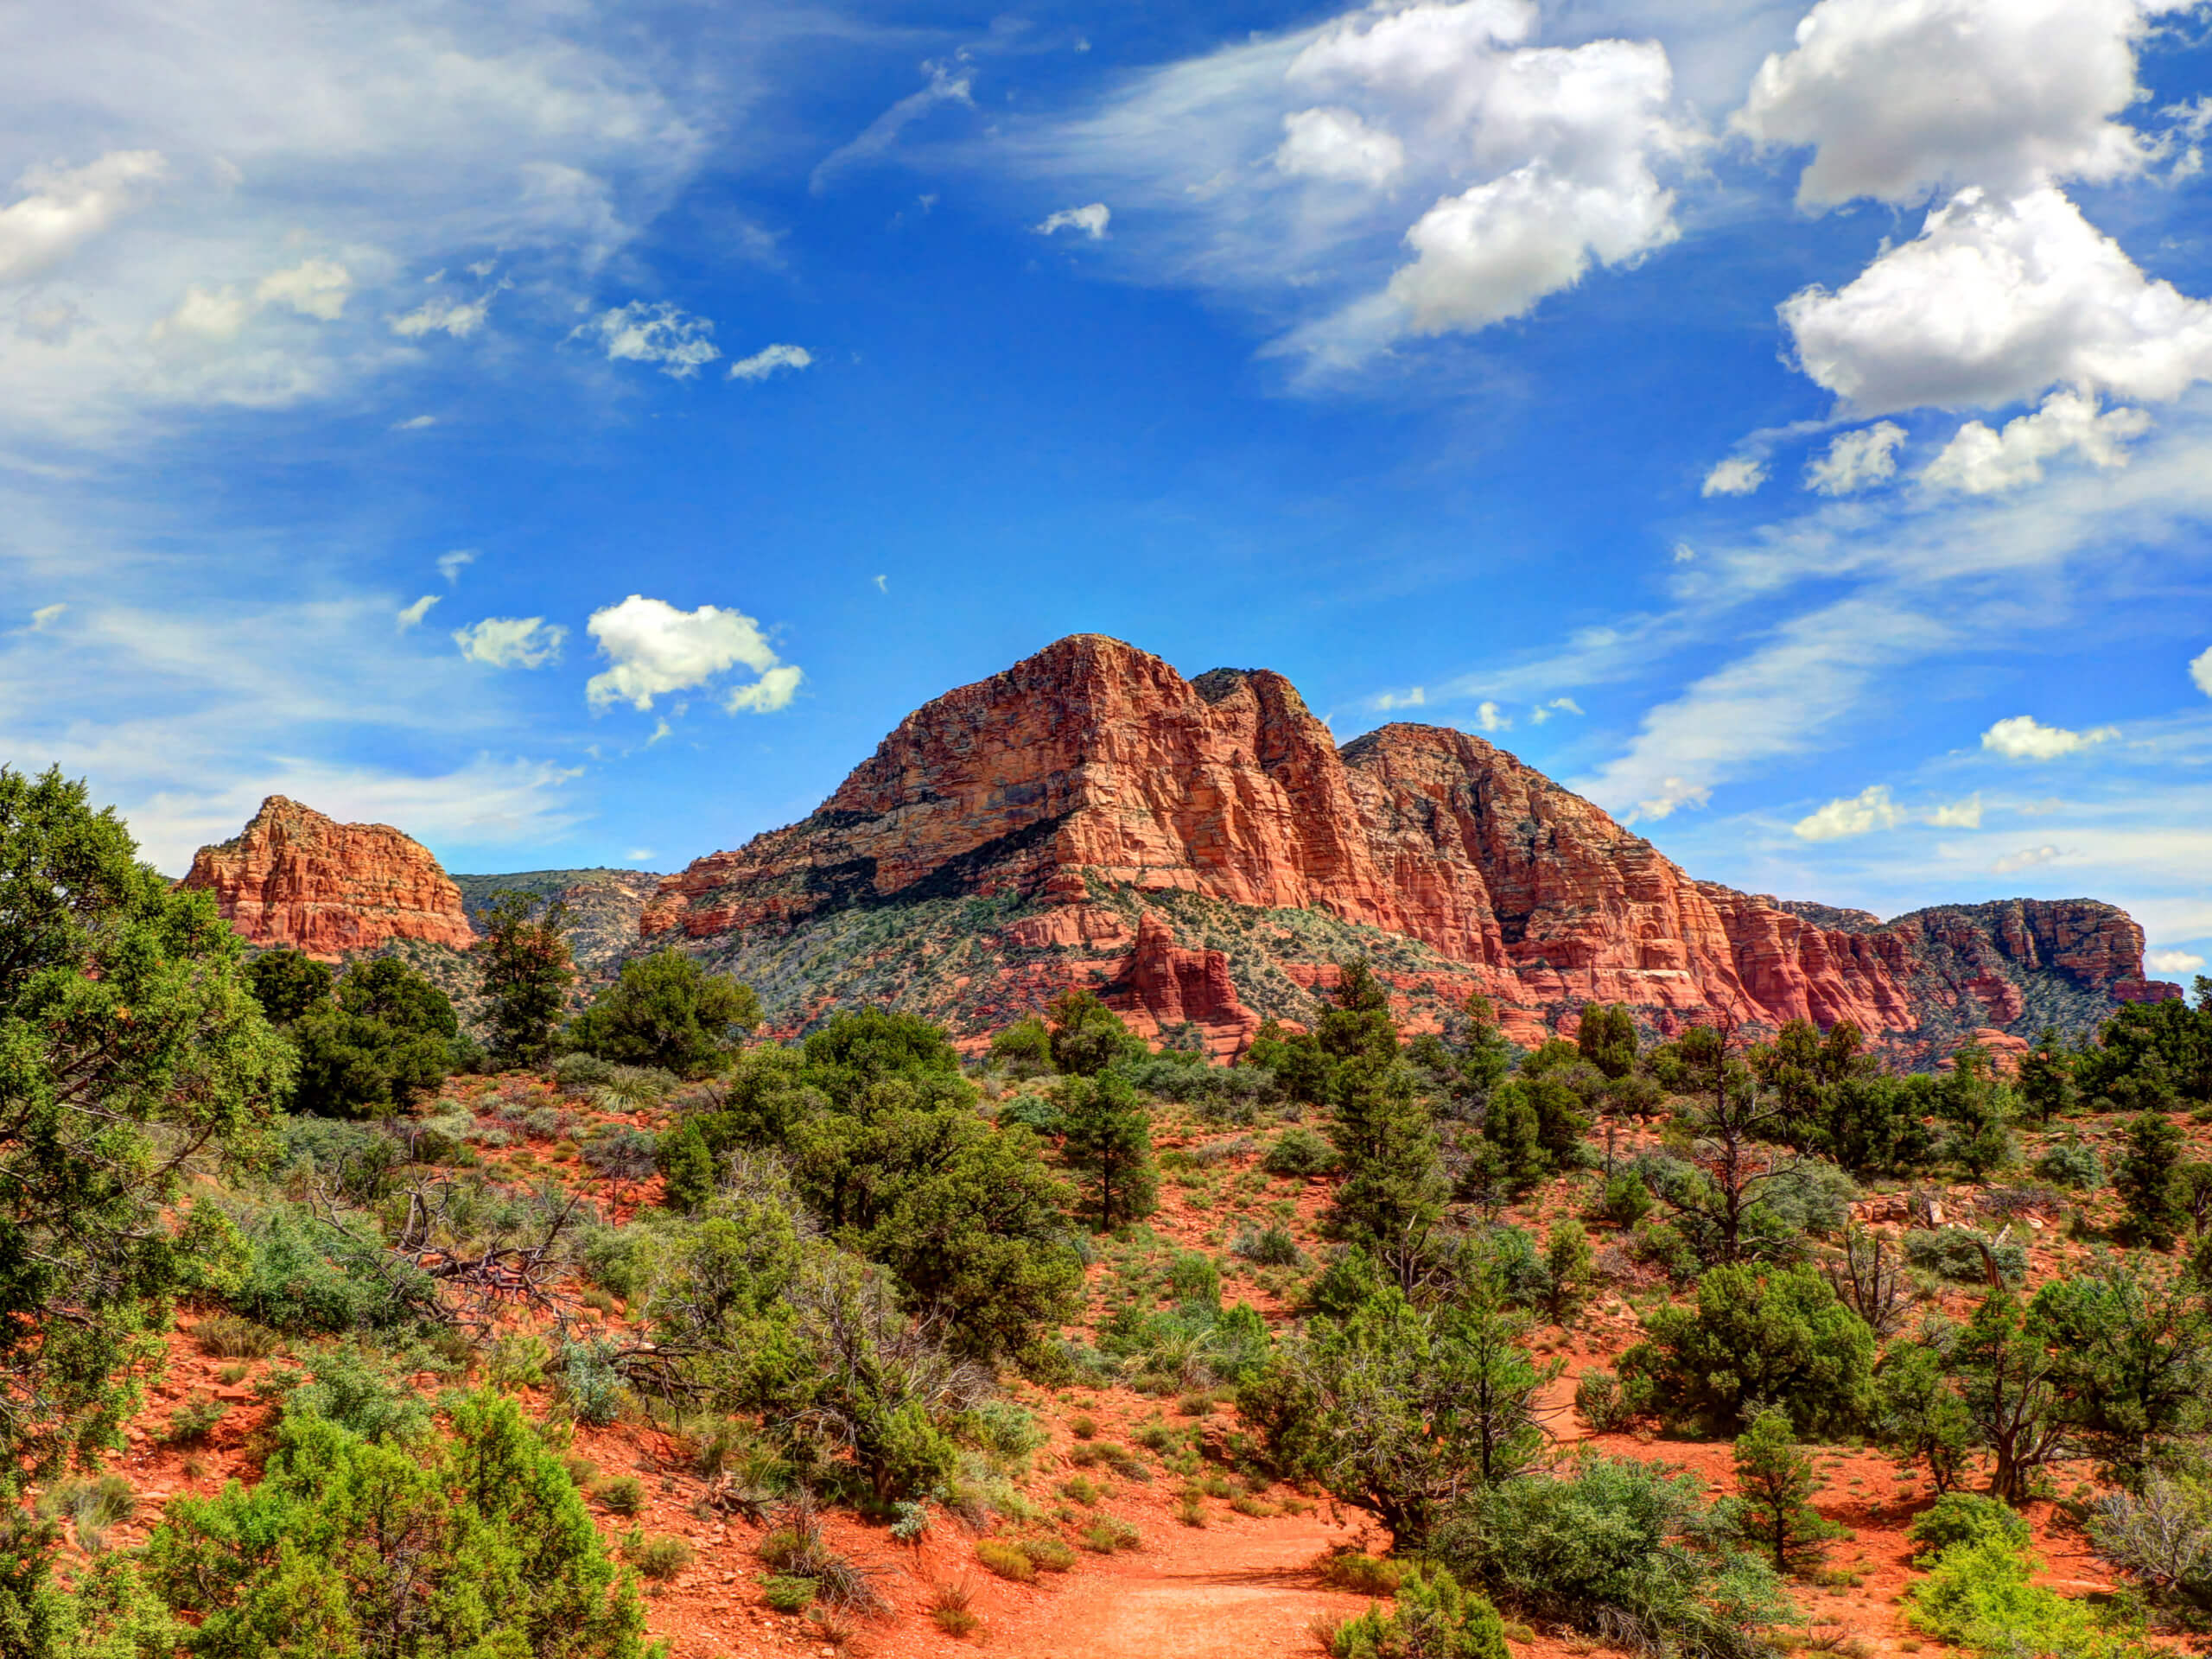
x=1220, y=1593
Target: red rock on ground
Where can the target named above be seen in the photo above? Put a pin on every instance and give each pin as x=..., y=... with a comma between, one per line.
x=297, y=878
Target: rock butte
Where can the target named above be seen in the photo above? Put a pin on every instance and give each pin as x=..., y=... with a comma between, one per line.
x=1093, y=771
x=297, y=878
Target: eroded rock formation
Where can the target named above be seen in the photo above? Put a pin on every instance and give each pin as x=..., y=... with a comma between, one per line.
x=1102, y=803
x=296, y=877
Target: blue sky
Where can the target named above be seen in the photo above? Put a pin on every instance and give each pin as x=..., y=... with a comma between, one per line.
x=575, y=434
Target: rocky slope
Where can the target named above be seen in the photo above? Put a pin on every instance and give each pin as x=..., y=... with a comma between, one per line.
x=296, y=877
x=604, y=905
x=1203, y=851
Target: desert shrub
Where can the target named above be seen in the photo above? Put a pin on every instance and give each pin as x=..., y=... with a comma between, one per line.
x=1078, y=1488
x=1965, y=1518
x=1616, y=1547
x=193, y=1421
x=1087, y=1036
x=1780, y=1334
x=1050, y=1554
x=1430, y=1617
x=91, y=1505
x=515, y=1359
x=659, y=1557
x=1984, y=1596
x=1299, y=1152
x=1362, y=1574
x=1192, y=1277
x=226, y=1336
x=1603, y=1403
x=620, y=1495
x=358, y=1392
x=1040, y=1114
x=579, y=1073
x=952, y=1609
x=1267, y=1247
x=304, y=1278
x=1007, y=1561
x=387, y=1038
x=786, y=1594
x=2072, y=1163
x=1024, y=1048
x=1108, y=1534
x=435, y=1546
x=668, y=1012
x=1625, y=1199
x=1955, y=1253
x=589, y=1385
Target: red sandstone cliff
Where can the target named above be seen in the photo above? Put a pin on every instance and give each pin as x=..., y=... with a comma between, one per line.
x=296, y=877
x=1093, y=769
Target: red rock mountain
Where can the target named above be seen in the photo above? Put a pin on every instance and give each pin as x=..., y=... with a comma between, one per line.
x=1203, y=851
x=296, y=877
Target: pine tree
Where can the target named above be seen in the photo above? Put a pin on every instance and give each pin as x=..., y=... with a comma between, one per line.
x=2144, y=1179
x=687, y=1169
x=1394, y=1188
x=527, y=972
x=1109, y=1143
x=1775, y=1477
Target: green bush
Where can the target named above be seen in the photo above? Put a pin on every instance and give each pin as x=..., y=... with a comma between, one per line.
x=1779, y=1334
x=193, y=1421
x=1267, y=1247
x=1298, y=1152
x=660, y=1557
x=1613, y=1547
x=1965, y=1518
x=1984, y=1596
x=440, y=1547
x=1431, y=1617
x=1108, y=1533
x=1007, y=1561
x=1194, y=1278
x=1955, y=1253
x=304, y=1278
x=1360, y=1574
x=2072, y=1163
x=387, y=1038
x=1603, y=1404
x=589, y=1386
x=786, y=1594
x=667, y=1011
x=1626, y=1199
x=623, y=1495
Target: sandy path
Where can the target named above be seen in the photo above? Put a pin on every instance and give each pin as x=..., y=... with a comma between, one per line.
x=1217, y=1594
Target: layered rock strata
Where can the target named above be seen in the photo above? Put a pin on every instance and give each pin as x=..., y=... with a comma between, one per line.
x=1093, y=771
x=296, y=877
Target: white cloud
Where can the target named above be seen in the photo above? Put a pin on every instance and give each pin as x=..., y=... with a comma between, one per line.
x=1544, y=711
x=1412, y=699
x=1492, y=718
x=63, y=207
x=2022, y=737
x=1337, y=145
x=439, y=314
x=2026, y=858
x=950, y=82
x=1870, y=809
x=772, y=691
x=1091, y=219
x=450, y=565
x=45, y=616
x=1958, y=815
x=1857, y=461
x=511, y=641
x=1994, y=302
x=1405, y=170
x=655, y=648
x=412, y=615
x=1981, y=462
x=206, y=314
x=1737, y=475
x=638, y=855
x=414, y=423
x=313, y=288
x=2200, y=671
x=765, y=361
x=1900, y=97
x=2172, y=961
x=656, y=333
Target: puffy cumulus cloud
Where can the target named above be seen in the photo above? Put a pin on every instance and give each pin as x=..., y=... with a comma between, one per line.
x=1899, y=99
x=61, y=208
x=1400, y=170
x=450, y=565
x=1492, y=718
x=1337, y=145
x=1870, y=809
x=1737, y=475
x=204, y=314
x=1385, y=702
x=2022, y=737
x=2200, y=671
x=1091, y=219
x=511, y=641
x=313, y=288
x=2026, y=858
x=659, y=333
x=2172, y=961
x=1981, y=462
x=1544, y=711
x=1958, y=815
x=1992, y=302
x=1857, y=461
x=652, y=649
x=769, y=359
x=412, y=615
